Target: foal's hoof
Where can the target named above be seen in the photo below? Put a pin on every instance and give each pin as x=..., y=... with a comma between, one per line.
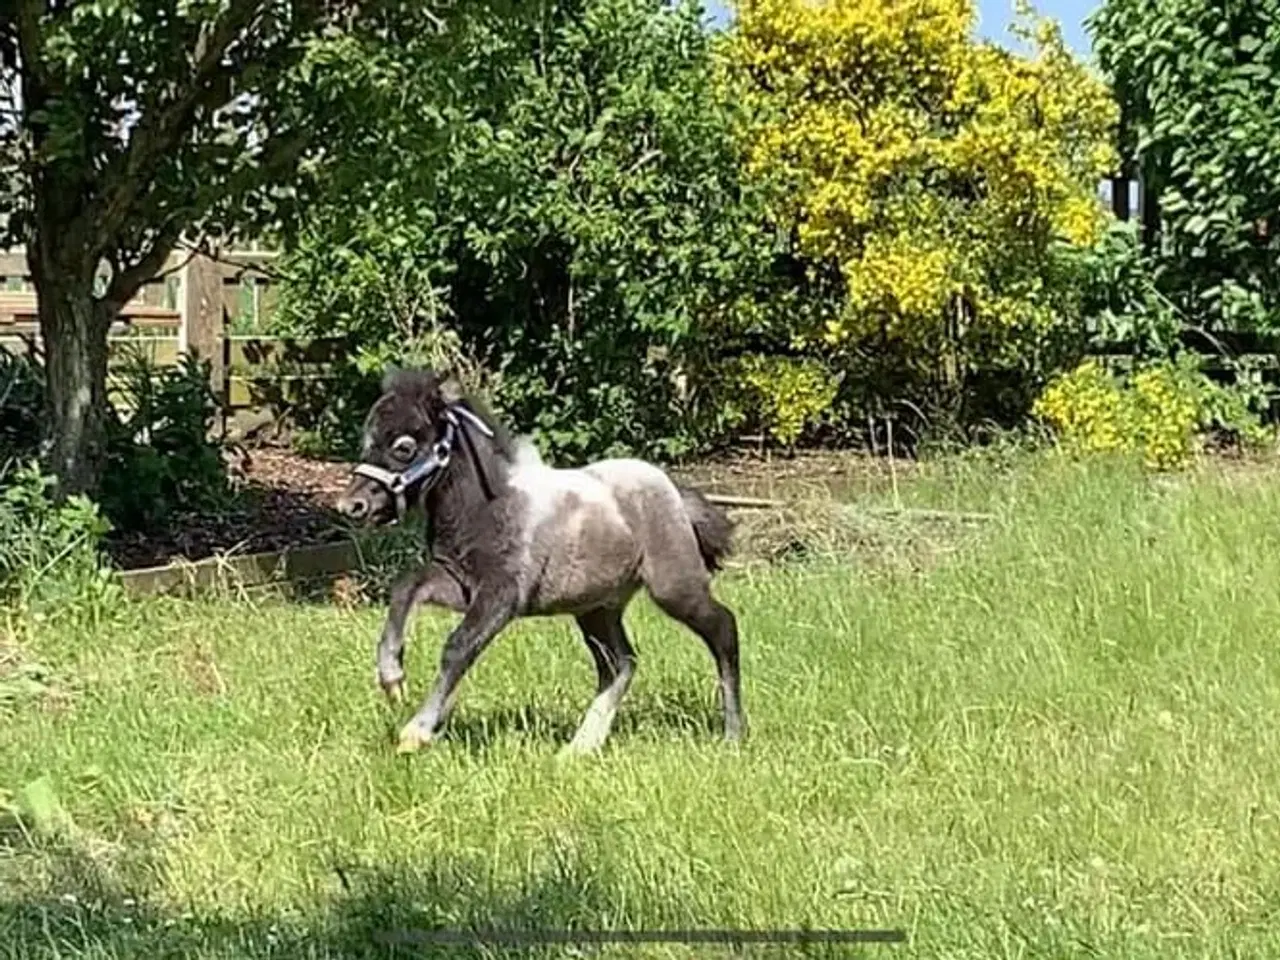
x=412, y=740
x=394, y=691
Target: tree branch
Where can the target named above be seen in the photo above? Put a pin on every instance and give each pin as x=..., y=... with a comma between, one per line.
x=160, y=130
x=28, y=22
x=201, y=249
x=192, y=253
x=129, y=281
x=279, y=151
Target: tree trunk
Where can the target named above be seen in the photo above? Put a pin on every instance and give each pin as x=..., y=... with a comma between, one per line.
x=73, y=329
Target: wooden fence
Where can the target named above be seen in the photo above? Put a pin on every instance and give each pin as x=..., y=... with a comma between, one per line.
x=206, y=305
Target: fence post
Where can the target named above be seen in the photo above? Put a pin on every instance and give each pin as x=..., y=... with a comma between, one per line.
x=202, y=326
x=1120, y=204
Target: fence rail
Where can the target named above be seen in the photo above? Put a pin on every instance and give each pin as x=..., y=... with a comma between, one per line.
x=195, y=303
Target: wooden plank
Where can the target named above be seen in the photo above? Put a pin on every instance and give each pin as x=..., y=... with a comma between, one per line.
x=268, y=302
x=233, y=297
x=202, y=318
x=161, y=292
x=277, y=566
x=254, y=352
x=745, y=503
x=246, y=392
x=918, y=513
x=20, y=310
x=24, y=303
x=731, y=501
x=13, y=263
x=15, y=345
x=163, y=351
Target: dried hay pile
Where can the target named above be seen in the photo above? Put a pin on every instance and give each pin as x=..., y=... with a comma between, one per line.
x=822, y=528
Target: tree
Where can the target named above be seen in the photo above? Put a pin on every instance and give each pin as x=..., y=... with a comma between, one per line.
x=133, y=124
x=565, y=196
x=934, y=174
x=1199, y=86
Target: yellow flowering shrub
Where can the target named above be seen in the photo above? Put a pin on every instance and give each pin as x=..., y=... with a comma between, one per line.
x=1169, y=415
x=1157, y=410
x=786, y=394
x=1087, y=409
x=935, y=169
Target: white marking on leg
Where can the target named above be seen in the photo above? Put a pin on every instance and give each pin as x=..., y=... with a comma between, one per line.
x=598, y=721
x=595, y=726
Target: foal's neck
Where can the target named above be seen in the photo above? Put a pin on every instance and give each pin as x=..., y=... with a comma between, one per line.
x=456, y=505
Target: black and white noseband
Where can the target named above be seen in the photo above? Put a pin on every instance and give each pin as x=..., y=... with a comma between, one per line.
x=425, y=471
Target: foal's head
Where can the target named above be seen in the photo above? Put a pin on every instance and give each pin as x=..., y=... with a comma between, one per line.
x=414, y=431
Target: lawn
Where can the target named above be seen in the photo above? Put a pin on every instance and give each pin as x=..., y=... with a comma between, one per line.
x=1059, y=738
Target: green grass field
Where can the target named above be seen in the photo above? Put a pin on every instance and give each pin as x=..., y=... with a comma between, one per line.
x=1059, y=739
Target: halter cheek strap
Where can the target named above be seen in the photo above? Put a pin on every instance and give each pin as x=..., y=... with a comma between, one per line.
x=427, y=470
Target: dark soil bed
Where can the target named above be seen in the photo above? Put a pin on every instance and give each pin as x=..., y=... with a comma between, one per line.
x=285, y=500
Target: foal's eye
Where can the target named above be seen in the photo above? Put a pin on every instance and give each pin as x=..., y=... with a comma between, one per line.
x=404, y=447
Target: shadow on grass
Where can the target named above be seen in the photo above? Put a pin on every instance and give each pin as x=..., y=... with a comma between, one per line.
x=92, y=915
x=83, y=911
x=678, y=713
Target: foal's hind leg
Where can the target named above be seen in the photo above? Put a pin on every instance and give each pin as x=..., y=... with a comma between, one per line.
x=690, y=602
x=615, y=664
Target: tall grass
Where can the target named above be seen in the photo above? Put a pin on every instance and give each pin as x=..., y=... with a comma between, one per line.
x=1060, y=741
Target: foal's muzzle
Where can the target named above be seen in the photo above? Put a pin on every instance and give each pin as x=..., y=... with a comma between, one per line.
x=364, y=502
x=355, y=507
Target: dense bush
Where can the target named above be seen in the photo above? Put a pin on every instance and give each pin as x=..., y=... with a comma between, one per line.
x=21, y=406
x=942, y=180
x=162, y=458
x=50, y=557
x=1163, y=405
x=781, y=395
x=1159, y=409
x=1197, y=83
x=649, y=238
x=1113, y=288
x=641, y=238
x=161, y=461
x=564, y=195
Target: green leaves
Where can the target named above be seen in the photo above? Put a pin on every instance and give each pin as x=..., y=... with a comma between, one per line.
x=39, y=806
x=143, y=122
x=566, y=179
x=1199, y=82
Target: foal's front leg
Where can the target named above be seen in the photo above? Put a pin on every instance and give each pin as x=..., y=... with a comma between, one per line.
x=490, y=610
x=433, y=585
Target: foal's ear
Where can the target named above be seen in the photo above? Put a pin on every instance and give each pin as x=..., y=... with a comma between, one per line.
x=451, y=389
x=391, y=379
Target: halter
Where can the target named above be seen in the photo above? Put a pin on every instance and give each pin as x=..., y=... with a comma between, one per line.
x=426, y=470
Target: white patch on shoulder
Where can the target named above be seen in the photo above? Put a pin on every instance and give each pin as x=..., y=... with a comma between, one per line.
x=545, y=487
x=628, y=473
x=527, y=455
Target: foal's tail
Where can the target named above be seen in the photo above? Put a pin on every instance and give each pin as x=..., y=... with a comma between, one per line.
x=713, y=529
